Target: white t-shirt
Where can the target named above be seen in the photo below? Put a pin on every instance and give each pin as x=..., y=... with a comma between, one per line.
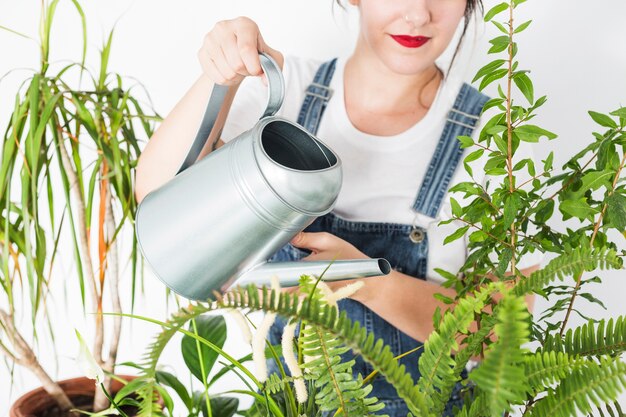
x=381, y=175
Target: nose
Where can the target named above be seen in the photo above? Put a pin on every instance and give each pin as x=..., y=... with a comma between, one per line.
x=417, y=14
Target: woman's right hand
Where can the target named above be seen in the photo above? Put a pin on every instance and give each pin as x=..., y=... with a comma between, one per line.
x=230, y=51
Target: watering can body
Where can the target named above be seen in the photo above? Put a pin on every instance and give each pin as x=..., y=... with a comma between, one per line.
x=221, y=218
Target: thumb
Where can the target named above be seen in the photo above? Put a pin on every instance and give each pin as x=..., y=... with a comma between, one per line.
x=308, y=240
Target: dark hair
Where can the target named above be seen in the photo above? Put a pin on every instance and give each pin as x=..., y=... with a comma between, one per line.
x=470, y=8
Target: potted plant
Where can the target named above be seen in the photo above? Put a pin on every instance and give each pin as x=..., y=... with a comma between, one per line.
x=536, y=365
x=86, y=139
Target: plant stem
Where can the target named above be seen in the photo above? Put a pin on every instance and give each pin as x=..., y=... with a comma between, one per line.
x=26, y=357
x=510, y=127
x=593, y=237
x=84, y=246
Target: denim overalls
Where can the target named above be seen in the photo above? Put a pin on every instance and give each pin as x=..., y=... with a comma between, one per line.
x=404, y=246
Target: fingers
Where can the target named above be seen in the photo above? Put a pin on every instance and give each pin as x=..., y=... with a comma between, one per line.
x=230, y=51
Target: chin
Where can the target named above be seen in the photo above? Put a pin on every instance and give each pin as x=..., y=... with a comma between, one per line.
x=407, y=65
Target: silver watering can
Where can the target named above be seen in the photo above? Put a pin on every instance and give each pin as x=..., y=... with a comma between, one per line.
x=216, y=223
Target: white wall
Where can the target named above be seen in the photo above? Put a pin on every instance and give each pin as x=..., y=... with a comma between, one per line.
x=574, y=49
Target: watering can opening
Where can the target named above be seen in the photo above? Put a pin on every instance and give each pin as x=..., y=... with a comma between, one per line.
x=292, y=147
x=384, y=265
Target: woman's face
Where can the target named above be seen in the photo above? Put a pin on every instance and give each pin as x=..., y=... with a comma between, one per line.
x=408, y=35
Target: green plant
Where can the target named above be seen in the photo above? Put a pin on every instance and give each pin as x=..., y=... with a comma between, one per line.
x=86, y=139
x=568, y=371
x=563, y=371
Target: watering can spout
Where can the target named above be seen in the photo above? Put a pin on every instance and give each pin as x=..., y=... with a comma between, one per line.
x=289, y=272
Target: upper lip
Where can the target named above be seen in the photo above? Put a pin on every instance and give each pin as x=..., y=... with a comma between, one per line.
x=411, y=36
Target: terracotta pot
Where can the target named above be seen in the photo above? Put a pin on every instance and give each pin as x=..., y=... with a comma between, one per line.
x=37, y=401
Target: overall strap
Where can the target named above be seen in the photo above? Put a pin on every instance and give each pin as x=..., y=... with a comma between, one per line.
x=462, y=120
x=316, y=97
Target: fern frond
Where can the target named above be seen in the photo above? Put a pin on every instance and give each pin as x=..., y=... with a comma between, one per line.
x=275, y=384
x=589, y=340
x=612, y=410
x=148, y=400
x=545, y=368
x=592, y=384
x=436, y=364
x=580, y=259
x=352, y=335
x=336, y=387
x=501, y=375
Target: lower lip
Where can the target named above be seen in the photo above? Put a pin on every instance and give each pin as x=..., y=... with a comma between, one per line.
x=410, y=41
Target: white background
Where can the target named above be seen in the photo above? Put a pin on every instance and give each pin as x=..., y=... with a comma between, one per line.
x=574, y=49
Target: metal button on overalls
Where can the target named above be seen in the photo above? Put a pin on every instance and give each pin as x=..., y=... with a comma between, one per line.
x=416, y=235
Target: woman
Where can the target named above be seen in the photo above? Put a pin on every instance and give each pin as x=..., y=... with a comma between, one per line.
x=392, y=116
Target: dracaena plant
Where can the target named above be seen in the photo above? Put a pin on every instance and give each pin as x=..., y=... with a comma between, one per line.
x=68, y=160
x=568, y=371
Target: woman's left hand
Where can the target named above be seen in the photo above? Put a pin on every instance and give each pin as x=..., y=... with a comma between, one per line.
x=326, y=246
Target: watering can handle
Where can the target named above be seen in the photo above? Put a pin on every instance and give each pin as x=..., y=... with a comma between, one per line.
x=276, y=85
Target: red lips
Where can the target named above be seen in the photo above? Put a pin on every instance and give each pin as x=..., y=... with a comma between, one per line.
x=410, y=41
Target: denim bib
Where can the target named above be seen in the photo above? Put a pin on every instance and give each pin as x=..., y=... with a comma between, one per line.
x=404, y=246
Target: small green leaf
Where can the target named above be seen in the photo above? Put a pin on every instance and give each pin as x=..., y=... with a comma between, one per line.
x=547, y=163
x=593, y=180
x=520, y=164
x=616, y=211
x=501, y=143
x=494, y=76
x=545, y=209
x=489, y=68
x=523, y=82
x=171, y=381
x=456, y=235
x=602, y=119
x=621, y=113
x=500, y=27
x=448, y=276
x=498, y=44
x=496, y=129
x=466, y=141
x=522, y=26
x=512, y=205
x=532, y=133
x=577, y=208
x=474, y=155
x=498, y=8
x=443, y=298
x=456, y=207
x=504, y=260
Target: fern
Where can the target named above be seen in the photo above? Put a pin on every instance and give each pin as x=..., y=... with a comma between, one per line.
x=545, y=368
x=337, y=389
x=436, y=364
x=275, y=384
x=350, y=334
x=592, y=384
x=613, y=410
x=567, y=264
x=589, y=340
x=501, y=375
